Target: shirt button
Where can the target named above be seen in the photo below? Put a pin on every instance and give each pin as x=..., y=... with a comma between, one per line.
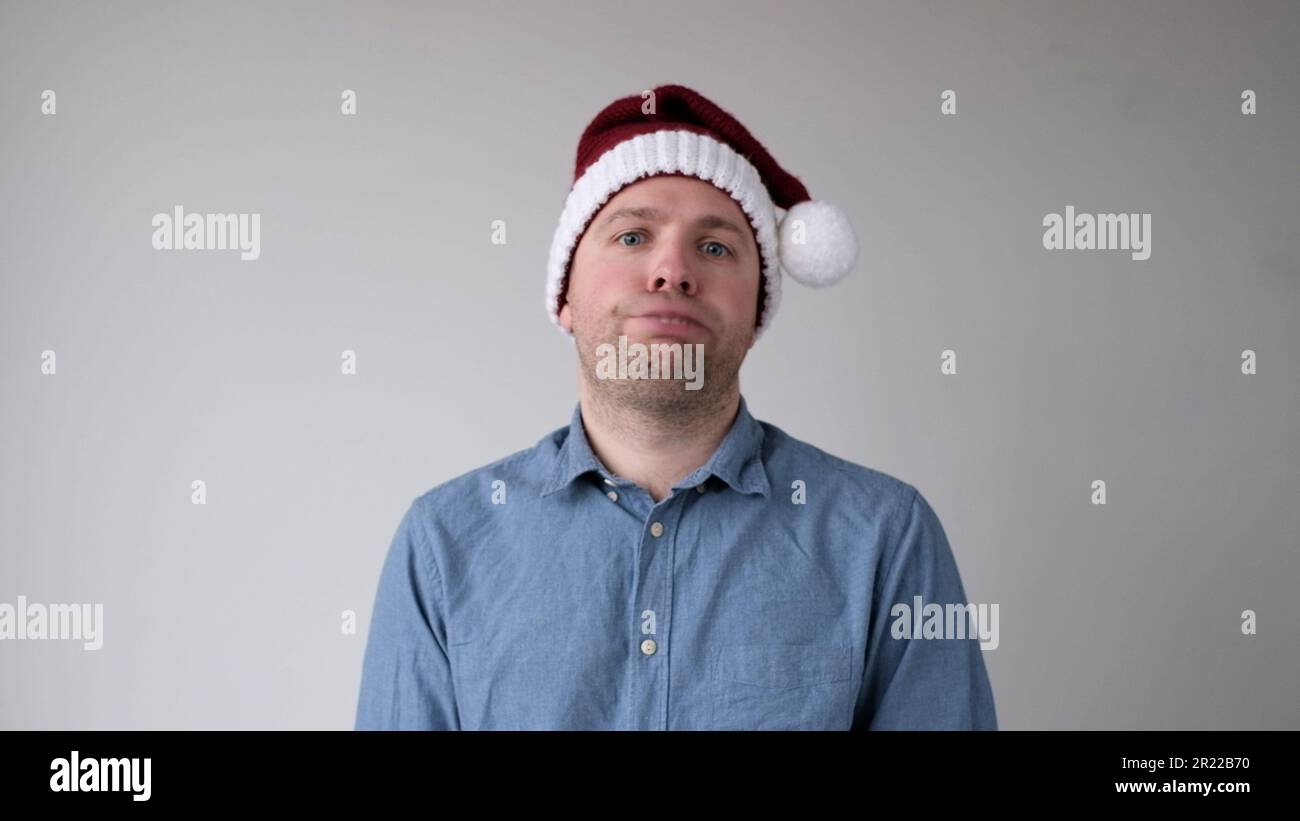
x=613, y=497
x=700, y=487
x=657, y=529
x=609, y=482
x=648, y=647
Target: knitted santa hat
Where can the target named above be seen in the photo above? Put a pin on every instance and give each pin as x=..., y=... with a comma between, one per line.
x=676, y=130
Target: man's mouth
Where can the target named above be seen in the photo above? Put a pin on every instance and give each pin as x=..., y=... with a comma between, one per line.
x=670, y=320
x=667, y=325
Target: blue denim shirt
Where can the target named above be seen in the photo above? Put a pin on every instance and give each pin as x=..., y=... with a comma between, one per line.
x=544, y=592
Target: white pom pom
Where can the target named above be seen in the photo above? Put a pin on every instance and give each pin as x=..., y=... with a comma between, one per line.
x=817, y=247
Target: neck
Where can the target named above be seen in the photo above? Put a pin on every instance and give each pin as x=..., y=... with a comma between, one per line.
x=654, y=451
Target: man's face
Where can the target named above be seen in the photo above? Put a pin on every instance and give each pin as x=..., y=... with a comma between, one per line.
x=666, y=244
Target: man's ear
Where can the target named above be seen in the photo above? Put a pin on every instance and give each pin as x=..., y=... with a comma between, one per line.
x=566, y=317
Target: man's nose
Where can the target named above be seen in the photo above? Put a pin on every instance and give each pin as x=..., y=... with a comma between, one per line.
x=671, y=271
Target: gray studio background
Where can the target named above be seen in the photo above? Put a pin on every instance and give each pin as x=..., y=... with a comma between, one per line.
x=176, y=366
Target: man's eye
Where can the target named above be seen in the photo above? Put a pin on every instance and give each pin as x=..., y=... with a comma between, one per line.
x=722, y=248
x=624, y=236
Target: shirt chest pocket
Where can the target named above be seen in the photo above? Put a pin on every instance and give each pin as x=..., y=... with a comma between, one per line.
x=782, y=687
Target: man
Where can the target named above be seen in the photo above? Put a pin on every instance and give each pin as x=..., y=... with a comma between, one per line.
x=666, y=561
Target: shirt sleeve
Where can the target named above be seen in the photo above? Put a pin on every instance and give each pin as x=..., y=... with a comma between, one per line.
x=916, y=683
x=406, y=681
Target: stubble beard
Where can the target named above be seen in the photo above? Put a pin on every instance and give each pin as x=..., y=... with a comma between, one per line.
x=665, y=402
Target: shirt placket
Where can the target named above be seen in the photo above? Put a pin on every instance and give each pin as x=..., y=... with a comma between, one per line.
x=652, y=607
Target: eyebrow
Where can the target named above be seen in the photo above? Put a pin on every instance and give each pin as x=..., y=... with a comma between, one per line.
x=655, y=215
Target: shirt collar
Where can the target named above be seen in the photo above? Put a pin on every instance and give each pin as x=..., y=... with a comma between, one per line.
x=738, y=460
